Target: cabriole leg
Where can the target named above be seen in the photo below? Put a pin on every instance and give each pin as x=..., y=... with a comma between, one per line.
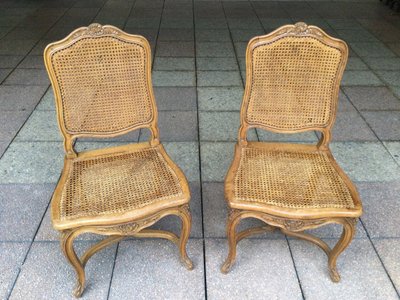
x=67, y=246
x=186, y=219
x=345, y=239
x=233, y=219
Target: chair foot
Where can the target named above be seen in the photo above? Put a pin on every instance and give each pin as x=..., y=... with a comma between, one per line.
x=78, y=290
x=335, y=277
x=187, y=263
x=226, y=267
x=186, y=218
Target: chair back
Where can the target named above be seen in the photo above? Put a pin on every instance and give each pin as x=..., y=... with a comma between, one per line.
x=292, y=81
x=101, y=77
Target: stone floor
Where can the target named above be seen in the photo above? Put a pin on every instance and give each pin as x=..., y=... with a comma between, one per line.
x=198, y=74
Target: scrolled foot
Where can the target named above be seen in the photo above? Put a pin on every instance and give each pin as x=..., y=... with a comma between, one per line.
x=226, y=267
x=335, y=277
x=187, y=263
x=78, y=290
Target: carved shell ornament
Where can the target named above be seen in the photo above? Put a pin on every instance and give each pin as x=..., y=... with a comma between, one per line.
x=301, y=28
x=96, y=29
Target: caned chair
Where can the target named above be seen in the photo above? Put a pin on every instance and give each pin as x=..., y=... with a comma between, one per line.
x=292, y=84
x=101, y=77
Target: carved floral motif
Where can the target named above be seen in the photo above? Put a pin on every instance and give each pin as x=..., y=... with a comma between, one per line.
x=301, y=28
x=95, y=29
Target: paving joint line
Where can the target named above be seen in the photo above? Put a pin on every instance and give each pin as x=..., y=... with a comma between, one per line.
x=199, y=150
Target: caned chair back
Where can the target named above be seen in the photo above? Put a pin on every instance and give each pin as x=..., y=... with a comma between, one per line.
x=292, y=80
x=101, y=77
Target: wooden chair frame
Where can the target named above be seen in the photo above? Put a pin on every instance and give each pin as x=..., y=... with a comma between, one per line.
x=290, y=221
x=117, y=227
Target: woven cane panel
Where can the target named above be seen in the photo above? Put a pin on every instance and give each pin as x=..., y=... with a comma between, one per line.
x=113, y=184
x=293, y=83
x=290, y=180
x=103, y=84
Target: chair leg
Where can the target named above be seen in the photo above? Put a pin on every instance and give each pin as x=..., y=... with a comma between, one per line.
x=233, y=219
x=186, y=219
x=345, y=239
x=67, y=246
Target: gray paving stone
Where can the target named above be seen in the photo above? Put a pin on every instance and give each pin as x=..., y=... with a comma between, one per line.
x=215, y=160
x=41, y=126
x=380, y=207
x=275, y=22
x=17, y=47
x=344, y=104
x=218, y=98
x=355, y=63
x=215, y=214
x=218, y=78
x=4, y=73
x=47, y=102
x=174, y=64
x=174, y=98
x=366, y=161
x=362, y=274
x=384, y=123
x=240, y=48
x=388, y=250
x=186, y=156
x=11, y=258
x=245, y=35
x=144, y=22
x=32, y=162
x=173, y=78
x=396, y=91
x=10, y=123
x=10, y=61
x=149, y=33
x=214, y=49
x=178, y=34
x=138, y=261
x=210, y=23
x=85, y=145
x=383, y=63
x=217, y=64
x=175, y=49
x=390, y=77
x=3, y=147
x=372, y=98
x=20, y=97
x=344, y=24
x=263, y=270
x=22, y=209
x=176, y=23
x=360, y=78
x=356, y=35
x=213, y=35
x=350, y=126
x=371, y=49
x=394, y=149
x=244, y=23
x=269, y=136
x=28, y=77
x=32, y=62
x=48, y=274
x=175, y=126
x=395, y=47
x=221, y=126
